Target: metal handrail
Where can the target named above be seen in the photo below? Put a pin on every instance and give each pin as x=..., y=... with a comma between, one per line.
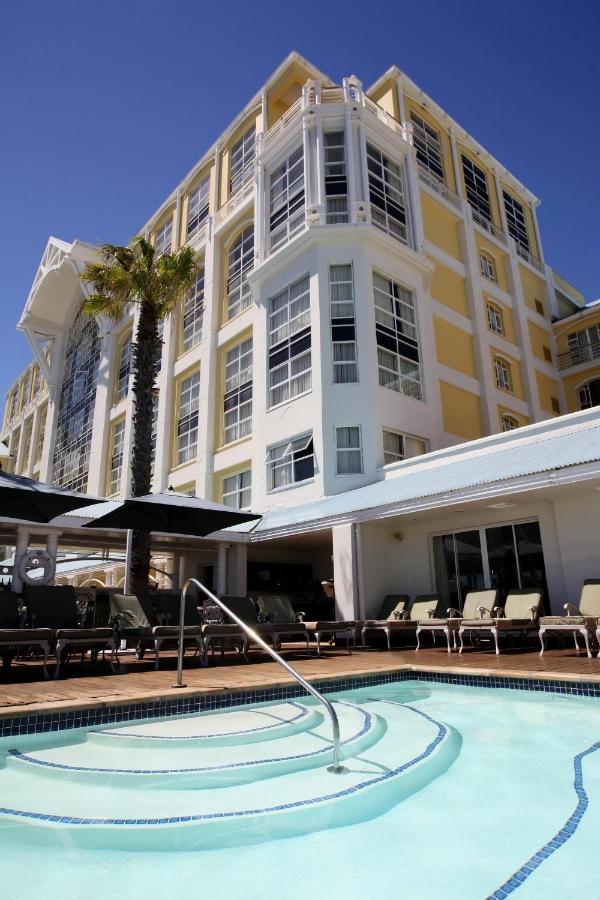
x=335, y=725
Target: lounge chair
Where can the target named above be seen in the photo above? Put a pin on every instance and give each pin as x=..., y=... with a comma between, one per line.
x=519, y=616
x=476, y=604
x=55, y=608
x=153, y=620
x=394, y=606
x=423, y=606
x=244, y=608
x=13, y=636
x=583, y=620
x=278, y=608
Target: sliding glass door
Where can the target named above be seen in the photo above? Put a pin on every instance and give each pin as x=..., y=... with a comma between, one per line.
x=504, y=557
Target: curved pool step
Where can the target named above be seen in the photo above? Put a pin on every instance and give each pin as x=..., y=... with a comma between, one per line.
x=217, y=729
x=166, y=767
x=411, y=752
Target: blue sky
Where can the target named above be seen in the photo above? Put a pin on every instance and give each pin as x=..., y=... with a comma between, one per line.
x=106, y=106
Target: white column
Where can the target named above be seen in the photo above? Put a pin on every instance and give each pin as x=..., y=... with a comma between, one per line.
x=100, y=426
x=237, y=580
x=52, y=544
x=20, y=551
x=35, y=433
x=221, y=569
x=164, y=425
x=345, y=572
x=57, y=361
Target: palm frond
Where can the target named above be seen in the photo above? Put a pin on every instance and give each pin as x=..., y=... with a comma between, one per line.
x=102, y=305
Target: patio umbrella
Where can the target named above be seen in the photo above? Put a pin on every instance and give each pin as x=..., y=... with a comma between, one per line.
x=35, y=501
x=171, y=513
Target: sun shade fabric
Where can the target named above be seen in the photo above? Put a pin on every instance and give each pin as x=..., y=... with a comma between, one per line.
x=36, y=501
x=171, y=513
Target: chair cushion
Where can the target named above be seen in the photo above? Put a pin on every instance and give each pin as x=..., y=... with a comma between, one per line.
x=173, y=631
x=451, y=623
x=330, y=626
x=402, y=624
x=570, y=621
x=25, y=635
x=221, y=630
x=81, y=634
x=278, y=628
x=498, y=623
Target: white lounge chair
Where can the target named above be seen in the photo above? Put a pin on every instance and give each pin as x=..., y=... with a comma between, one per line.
x=583, y=620
x=477, y=603
x=519, y=615
x=407, y=623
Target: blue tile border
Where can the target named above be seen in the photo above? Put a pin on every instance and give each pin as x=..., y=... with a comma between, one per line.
x=37, y=723
x=559, y=839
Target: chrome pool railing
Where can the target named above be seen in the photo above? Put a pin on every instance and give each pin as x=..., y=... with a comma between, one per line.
x=335, y=725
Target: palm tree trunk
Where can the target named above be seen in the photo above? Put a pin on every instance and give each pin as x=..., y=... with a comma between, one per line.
x=146, y=360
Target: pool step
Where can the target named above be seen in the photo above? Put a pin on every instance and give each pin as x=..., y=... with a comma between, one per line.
x=158, y=765
x=409, y=753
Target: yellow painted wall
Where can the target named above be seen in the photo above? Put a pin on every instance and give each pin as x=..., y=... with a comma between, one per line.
x=567, y=288
x=461, y=412
x=454, y=347
x=387, y=97
x=443, y=135
x=533, y=244
x=285, y=91
x=497, y=255
x=440, y=226
x=572, y=384
x=539, y=339
x=547, y=389
x=491, y=182
x=515, y=371
x=533, y=289
x=449, y=288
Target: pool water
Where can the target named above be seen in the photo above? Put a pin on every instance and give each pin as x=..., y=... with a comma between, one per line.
x=448, y=791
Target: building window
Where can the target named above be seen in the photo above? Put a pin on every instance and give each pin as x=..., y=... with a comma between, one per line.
x=476, y=189
x=286, y=199
x=503, y=375
x=124, y=368
x=508, y=423
x=187, y=420
x=197, y=212
x=237, y=401
x=236, y=489
x=589, y=394
x=386, y=194
x=76, y=406
x=154, y=431
x=117, y=455
x=427, y=146
x=348, y=450
x=290, y=342
x=397, y=339
x=193, y=314
x=555, y=405
x=343, y=325
x=162, y=241
x=12, y=404
x=547, y=354
x=515, y=220
x=336, y=184
x=25, y=389
x=291, y=462
x=242, y=160
x=35, y=381
x=495, y=318
x=488, y=266
x=40, y=435
x=240, y=263
x=539, y=307
x=27, y=429
x=397, y=446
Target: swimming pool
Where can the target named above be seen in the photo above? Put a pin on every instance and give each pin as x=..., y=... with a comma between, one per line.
x=449, y=790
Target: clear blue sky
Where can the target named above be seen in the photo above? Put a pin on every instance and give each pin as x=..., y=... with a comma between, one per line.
x=105, y=106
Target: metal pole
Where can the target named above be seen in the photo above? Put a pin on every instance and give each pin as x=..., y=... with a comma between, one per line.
x=127, y=581
x=335, y=725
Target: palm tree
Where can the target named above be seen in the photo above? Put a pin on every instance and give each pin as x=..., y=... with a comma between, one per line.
x=158, y=285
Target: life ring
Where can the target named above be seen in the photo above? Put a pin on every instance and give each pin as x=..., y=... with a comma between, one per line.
x=37, y=559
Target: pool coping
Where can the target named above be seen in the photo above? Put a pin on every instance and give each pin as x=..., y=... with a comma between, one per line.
x=61, y=715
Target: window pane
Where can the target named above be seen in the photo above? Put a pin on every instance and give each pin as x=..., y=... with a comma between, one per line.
x=531, y=555
x=502, y=559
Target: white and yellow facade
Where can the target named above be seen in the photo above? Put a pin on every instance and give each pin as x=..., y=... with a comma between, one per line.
x=372, y=285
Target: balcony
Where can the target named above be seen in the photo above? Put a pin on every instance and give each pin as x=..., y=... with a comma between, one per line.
x=489, y=227
x=236, y=199
x=439, y=186
x=199, y=236
x=529, y=257
x=578, y=355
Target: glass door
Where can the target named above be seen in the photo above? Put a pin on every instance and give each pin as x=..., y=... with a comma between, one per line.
x=459, y=565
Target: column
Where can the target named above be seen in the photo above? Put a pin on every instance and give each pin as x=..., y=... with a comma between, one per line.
x=100, y=427
x=221, y=569
x=237, y=576
x=347, y=601
x=20, y=551
x=164, y=385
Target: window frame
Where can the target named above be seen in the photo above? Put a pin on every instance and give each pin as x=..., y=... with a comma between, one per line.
x=336, y=182
x=504, y=381
x=289, y=342
x=428, y=146
x=476, y=188
x=124, y=360
x=196, y=218
x=343, y=327
x=508, y=419
x=238, y=390
x=240, y=263
x=495, y=317
x=385, y=196
x=392, y=327
x=163, y=246
x=238, y=490
x=487, y=266
x=405, y=438
x=239, y=171
x=292, y=448
x=190, y=418
x=192, y=309
x=516, y=221
x=350, y=450
x=286, y=199
x=117, y=453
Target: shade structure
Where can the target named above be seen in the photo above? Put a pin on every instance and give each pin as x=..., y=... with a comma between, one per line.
x=171, y=513
x=36, y=501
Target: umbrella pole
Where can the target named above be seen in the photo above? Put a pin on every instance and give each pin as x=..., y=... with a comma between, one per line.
x=127, y=582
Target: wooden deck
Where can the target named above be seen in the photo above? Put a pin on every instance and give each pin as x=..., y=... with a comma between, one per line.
x=86, y=685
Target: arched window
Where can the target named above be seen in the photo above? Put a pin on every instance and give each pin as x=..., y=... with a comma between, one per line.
x=488, y=266
x=240, y=262
x=589, y=394
x=508, y=423
x=503, y=374
x=495, y=318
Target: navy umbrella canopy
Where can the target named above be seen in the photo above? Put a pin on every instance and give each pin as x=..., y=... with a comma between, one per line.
x=171, y=513
x=36, y=501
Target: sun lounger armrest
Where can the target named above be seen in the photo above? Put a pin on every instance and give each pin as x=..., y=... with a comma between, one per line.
x=482, y=610
x=498, y=613
x=571, y=609
x=300, y=616
x=453, y=613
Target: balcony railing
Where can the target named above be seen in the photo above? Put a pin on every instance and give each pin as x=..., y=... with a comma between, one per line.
x=578, y=355
x=287, y=119
x=439, y=186
x=199, y=236
x=236, y=199
x=529, y=257
x=489, y=226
